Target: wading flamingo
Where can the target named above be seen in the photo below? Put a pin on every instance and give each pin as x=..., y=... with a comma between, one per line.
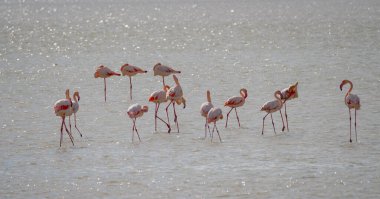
x=104, y=72
x=214, y=115
x=75, y=107
x=205, y=108
x=288, y=94
x=163, y=71
x=63, y=108
x=159, y=97
x=352, y=101
x=235, y=102
x=271, y=107
x=130, y=71
x=135, y=111
x=175, y=95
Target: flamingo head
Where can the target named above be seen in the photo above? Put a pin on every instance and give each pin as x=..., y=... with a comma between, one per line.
x=145, y=109
x=155, y=70
x=293, y=89
x=76, y=94
x=244, y=93
x=278, y=93
x=343, y=83
x=175, y=79
x=166, y=88
x=122, y=69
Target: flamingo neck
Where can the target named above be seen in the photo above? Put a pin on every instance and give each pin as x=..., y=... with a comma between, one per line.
x=208, y=96
x=243, y=93
x=349, y=90
x=278, y=95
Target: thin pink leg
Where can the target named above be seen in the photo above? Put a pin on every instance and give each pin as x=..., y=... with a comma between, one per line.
x=237, y=117
x=349, y=110
x=283, y=124
x=175, y=117
x=75, y=122
x=71, y=137
x=355, y=128
x=206, y=128
x=136, y=130
x=60, y=142
x=163, y=80
x=228, y=114
x=286, y=117
x=133, y=129
x=130, y=87
x=155, y=117
x=70, y=123
x=217, y=131
x=105, y=90
x=167, y=114
x=262, y=131
x=273, y=123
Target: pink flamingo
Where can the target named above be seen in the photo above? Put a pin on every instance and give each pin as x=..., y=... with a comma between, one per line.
x=104, y=72
x=75, y=107
x=205, y=108
x=271, y=107
x=130, y=71
x=135, y=111
x=352, y=101
x=214, y=115
x=175, y=95
x=63, y=108
x=288, y=94
x=163, y=71
x=159, y=97
x=235, y=102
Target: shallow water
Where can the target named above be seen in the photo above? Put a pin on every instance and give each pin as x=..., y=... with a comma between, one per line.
x=48, y=46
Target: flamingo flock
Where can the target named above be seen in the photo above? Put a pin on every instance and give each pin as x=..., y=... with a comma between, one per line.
x=175, y=96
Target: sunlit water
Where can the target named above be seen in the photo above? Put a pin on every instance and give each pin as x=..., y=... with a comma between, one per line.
x=48, y=46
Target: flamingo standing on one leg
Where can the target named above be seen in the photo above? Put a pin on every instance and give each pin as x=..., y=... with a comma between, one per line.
x=205, y=108
x=352, y=101
x=288, y=94
x=130, y=71
x=175, y=95
x=63, y=108
x=75, y=107
x=163, y=71
x=214, y=115
x=235, y=102
x=104, y=72
x=159, y=97
x=271, y=107
x=135, y=111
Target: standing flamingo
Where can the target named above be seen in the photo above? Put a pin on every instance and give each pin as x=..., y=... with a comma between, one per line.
x=352, y=101
x=130, y=71
x=235, y=102
x=163, y=71
x=75, y=107
x=175, y=95
x=271, y=107
x=214, y=115
x=159, y=97
x=205, y=108
x=104, y=72
x=135, y=111
x=63, y=108
x=288, y=94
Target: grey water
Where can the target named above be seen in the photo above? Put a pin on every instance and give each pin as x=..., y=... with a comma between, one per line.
x=47, y=46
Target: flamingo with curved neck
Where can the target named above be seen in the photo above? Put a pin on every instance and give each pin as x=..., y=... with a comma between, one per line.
x=235, y=102
x=271, y=107
x=352, y=101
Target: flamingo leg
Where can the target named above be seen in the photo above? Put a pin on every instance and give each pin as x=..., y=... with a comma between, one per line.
x=105, y=90
x=60, y=142
x=262, y=131
x=228, y=114
x=133, y=129
x=349, y=111
x=217, y=131
x=283, y=124
x=163, y=80
x=155, y=117
x=71, y=136
x=136, y=130
x=273, y=123
x=286, y=117
x=356, y=135
x=130, y=87
x=237, y=117
x=212, y=134
x=206, y=128
x=175, y=117
x=158, y=106
x=167, y=114
x=70, y=123
x=75, y=123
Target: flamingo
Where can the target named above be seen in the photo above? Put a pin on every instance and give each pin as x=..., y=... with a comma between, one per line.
x=288, y=94
x=130, y=71
x=205, y=108
x=104, y=72
x=163, y=71
x=271, y=107
x=352, y=101
x=175, y=95
x=159, y=97
x=63, y=108
x=235, y=102
x=135, y=111
x=75, y=107
x=214, y=115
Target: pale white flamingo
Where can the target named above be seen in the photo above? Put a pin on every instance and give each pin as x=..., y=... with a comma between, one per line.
x=288, y=94
x=235, y=102
x=175, y=95
x=130, y=71
x=135, y=111
x=271, y=107
x=214, y=115
x=104, y=72
x=352, y=101
x=63, y=108
x=205, y=108
x=159, y=97
x=163, y=71
x=75, y=106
